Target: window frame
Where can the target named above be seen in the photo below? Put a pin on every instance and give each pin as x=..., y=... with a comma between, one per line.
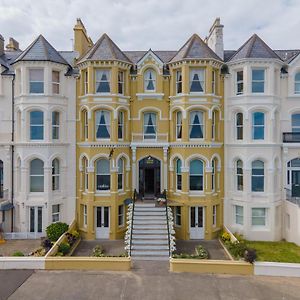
x=213, y=82
x=178, y=126
x=36, y=81
x=214, y=216
x=201, y=82
x=32, y=176
x=121, y=125
x=295, y=128
x=237, y=215
x=257, y=126
x=257, y=176
x=121, y=215
x=55, y=214
x=40, y=125
x=178, y=82
x=239, y=176
x=239, y=82
x=97, y=125
x=201, y=125
x=297, y=83
x=101, y=81
x=104, y=175
x=177, y=216
x=200, y=175
x=85, y=132
x=145, y=126
x=178, y=175
x=56, y=83
x=214, y=125
x=147, y=80
x=121, y=82
x=121, y=174
x=86, y=82
x=85, y=215
x=258, y=80
x=259, y=217
x=239, y=128
x=55, y=176
x=55, y=126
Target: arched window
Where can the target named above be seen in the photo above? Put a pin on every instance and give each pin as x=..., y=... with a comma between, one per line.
x=55, y=125
x=295, y=122
x=85, y=125
x=258, y=176
x=196, y=175
x=239, y=175
x=103, y=174
x=121, y=125
x=36, y=175
x=239, y=119
x=36, y=125
x=150, y=80
x=178, y=175
x=297, y=83
x=55, y=174
x=179, y=125
x=121, y=174
x=258, y=126
x=213, y=174
x=214, y=125
x=196, y=125
x=149, y=125
x=85, y=175
x=1, y=179
x=102, y=124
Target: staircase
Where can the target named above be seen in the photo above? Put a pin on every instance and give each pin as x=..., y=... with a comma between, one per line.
x=150, y=233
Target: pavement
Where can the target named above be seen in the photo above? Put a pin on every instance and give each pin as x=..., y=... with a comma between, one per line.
x=148, y=281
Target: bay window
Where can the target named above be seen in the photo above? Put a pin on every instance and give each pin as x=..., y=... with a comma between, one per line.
x=36, y=125
x=102, y=175
x=258, y=81
x=258, y=126
x=121, y=125
x=55, y=82
x=178, y=175
x=55, y=125
x=239, y=82
x=196, y=125
x=102, y=81
x=120, y=174
x=36, y=81
x=239, y=119
x=178, y=82
x=196, y=175
x=121, y=82
x=179, y=125
x=36, y=170
x=258, y=176
x=102, y=124
x=197, y=81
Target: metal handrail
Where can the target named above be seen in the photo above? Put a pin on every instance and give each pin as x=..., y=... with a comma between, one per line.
x=133, y=204
x=167, y=216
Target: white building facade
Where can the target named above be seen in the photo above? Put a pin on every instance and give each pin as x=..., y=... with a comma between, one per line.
x=43, y=139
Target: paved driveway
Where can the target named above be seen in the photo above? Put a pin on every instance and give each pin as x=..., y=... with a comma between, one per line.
x=152, y=280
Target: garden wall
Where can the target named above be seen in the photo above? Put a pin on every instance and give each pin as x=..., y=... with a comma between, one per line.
x=211, y=266
x=276, y=269
x=11, y=263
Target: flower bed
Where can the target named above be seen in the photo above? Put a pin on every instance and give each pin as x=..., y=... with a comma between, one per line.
x=200, y=253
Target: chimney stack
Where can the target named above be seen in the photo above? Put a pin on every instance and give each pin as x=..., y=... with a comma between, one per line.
x=12, y=45
x=215, y=38
x=1, y=45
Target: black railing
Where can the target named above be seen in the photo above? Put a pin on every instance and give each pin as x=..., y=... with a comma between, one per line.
x=291, y=198
x=133, y=204
x=164, y=195
x=291, y=137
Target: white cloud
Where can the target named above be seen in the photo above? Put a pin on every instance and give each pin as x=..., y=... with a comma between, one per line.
x=156, y=24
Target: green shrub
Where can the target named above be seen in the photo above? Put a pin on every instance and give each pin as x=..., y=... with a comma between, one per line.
x=250, y=255
x=98, y=251
x=18, y=253
x=201, y=252
x=64, y=248
x=237, y=249
x=55, y=230
x=76, y=234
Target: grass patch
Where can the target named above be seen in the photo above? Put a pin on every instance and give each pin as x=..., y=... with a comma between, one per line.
x=276, y=251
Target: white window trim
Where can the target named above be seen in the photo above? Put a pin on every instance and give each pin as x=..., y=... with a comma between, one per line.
x=121, y=215
x=237, y=82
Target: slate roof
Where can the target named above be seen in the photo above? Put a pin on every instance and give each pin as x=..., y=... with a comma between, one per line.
x=41, y=50
x=254, y=47
x=164, y=55
x=195, y=48
x=287, y=55
x=228, y=54
x=105, y=49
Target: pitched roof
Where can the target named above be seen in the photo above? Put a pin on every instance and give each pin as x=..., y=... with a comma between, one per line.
x=105, y=49
x=254, y=47
x=164, y=55
x=41, y=50
x=195, y=48
x=287, y=55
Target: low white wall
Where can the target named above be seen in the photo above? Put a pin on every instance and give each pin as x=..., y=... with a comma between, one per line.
x=277, y=269
x=37, y=263
x=292, y=230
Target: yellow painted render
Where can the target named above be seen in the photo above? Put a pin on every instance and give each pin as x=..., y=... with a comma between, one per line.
x=211, y=266
x=134, y=102
x=88, y=263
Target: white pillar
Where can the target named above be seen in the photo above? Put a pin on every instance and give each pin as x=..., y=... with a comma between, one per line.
x=134, y=177
x=165, y=169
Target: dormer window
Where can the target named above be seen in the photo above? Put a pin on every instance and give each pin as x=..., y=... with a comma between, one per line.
x=36, y=81
x=197, y=81
x=55, y=82
x=102, y=81
x=150, y=81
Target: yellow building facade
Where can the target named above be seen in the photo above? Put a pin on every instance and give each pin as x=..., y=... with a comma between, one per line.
x=149, y=121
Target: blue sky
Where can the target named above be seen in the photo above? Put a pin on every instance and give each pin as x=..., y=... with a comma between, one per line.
x=156, y=24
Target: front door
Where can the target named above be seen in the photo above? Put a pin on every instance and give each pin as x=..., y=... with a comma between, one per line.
x=102, y=222
x=35, y=219
x=197, y=222
x=149, y=182
x=295, y=183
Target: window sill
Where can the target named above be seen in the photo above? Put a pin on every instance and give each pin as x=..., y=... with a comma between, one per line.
x=150, y=95
x=197, y=194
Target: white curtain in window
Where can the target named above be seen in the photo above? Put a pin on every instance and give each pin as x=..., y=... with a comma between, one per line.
x=196, y=80
x=196, y=124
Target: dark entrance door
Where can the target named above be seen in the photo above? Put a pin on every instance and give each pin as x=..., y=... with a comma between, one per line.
x=149, y=177
x=295, y=183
